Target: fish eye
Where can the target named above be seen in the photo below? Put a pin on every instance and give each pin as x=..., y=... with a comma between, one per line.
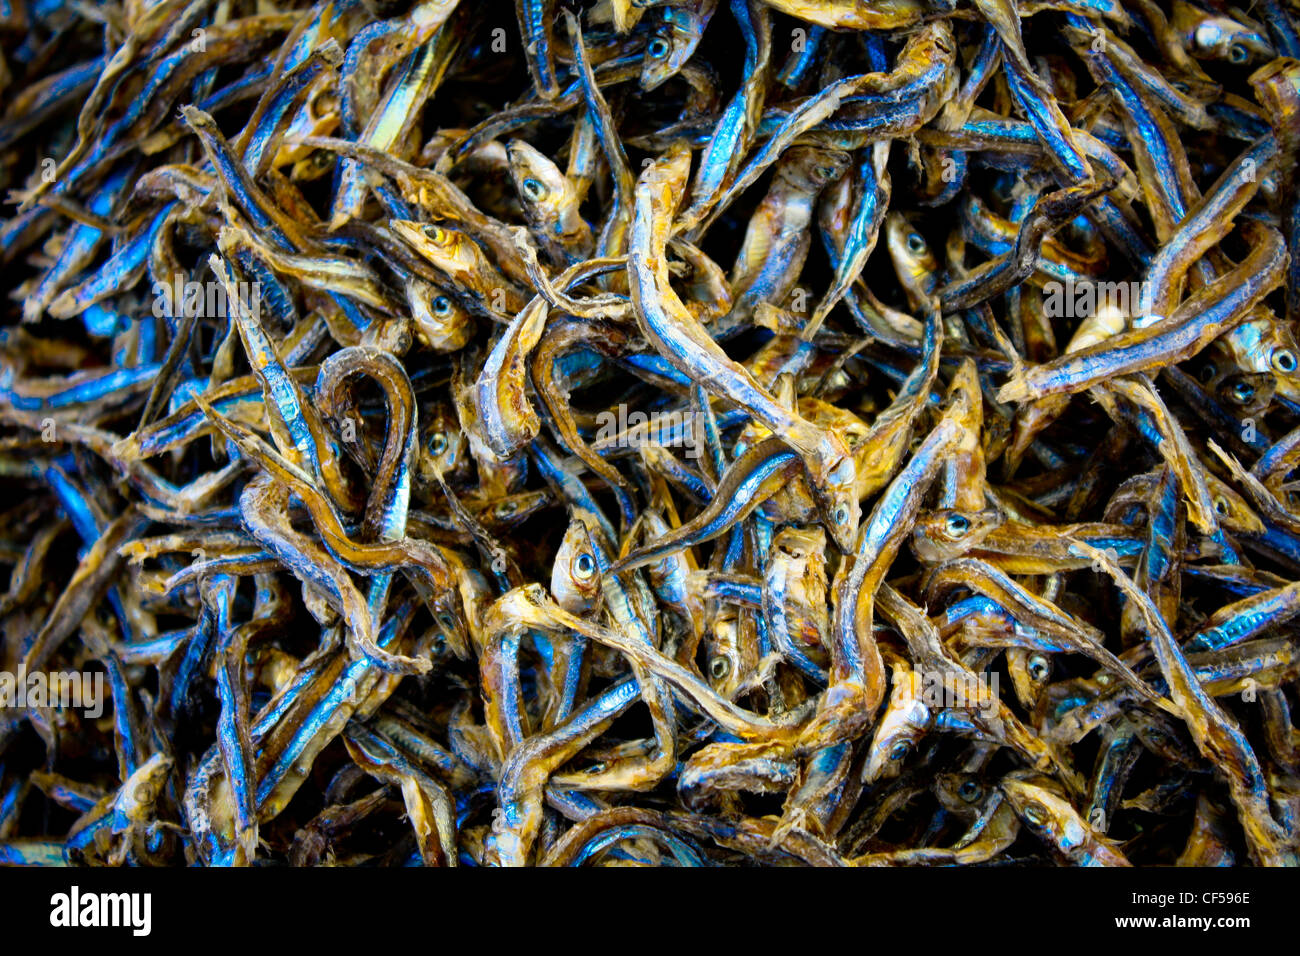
x=1284, y=360
x=507, y=508
x=1039, y=667
x=1036, y=815
x=841, y=515
x=442, y=305
x=1208, y=371
x=1237, y=53
x=446, y=623
x=1243, y=392
x=437, y=443
x=899, y=750
x=436, y=233
x=1221, y=505
x=915, y=244
x=969, y=791
x=1180, y=86
x=658, y=48
x=958, y=525
x=825, y=172
x=584, y=567
x=719, y=667
x=533, y=189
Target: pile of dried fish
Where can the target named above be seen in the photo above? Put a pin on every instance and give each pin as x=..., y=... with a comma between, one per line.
x=650, y=432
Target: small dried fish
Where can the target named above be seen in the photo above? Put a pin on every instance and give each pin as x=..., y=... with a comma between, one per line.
x=644, y=440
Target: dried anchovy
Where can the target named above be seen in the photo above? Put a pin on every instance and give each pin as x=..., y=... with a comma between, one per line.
x=665, y=433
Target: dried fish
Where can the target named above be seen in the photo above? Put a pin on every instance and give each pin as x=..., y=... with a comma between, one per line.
x=461, y=429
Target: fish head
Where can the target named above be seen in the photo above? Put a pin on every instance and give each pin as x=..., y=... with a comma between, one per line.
x=960, y=793
x=514, y=509
x=138, y=794
x=905, y=721
x=914, y=262
x=948, y=533
x=1222, y=38
x=575, y=573
x=543, y=189
x=443, y=447
x=811, y=168
x=441, y=322
x=671, y=43
x=724, y=663
x=1048, y=815
x=838, y=503
x=446, y=248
